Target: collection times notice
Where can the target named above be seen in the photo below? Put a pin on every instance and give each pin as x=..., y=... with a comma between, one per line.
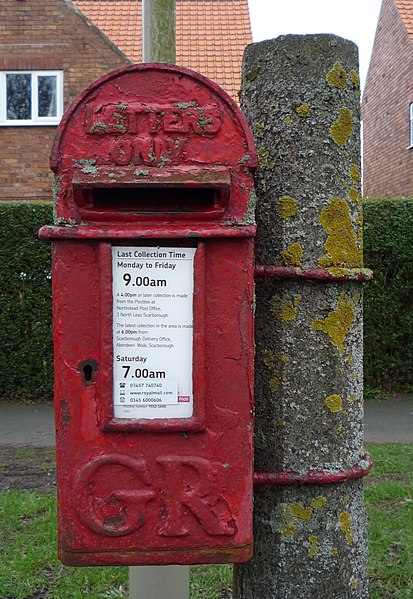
x=152, y=331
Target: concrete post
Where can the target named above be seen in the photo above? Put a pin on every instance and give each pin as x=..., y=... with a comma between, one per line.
x=159, y=582
x=159, y=45
x=158, y=31
x=301, y=98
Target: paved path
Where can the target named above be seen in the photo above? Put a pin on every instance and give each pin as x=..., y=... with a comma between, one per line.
x=389, y=420
x=27, y=424
x=386, y=421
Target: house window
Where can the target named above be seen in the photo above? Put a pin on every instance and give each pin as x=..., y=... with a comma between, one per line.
x=31, y=98
x=411, y=125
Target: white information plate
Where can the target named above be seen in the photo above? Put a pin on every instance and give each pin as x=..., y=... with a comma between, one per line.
x=152, y=331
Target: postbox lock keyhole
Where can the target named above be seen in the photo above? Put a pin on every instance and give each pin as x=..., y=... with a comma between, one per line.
x=87, y=372
x=87, y=368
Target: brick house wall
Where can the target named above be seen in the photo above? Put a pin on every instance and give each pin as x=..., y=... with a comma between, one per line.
x=387, y=159
x=46, y=35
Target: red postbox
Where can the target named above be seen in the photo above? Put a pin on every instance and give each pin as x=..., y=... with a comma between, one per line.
x=153, y=321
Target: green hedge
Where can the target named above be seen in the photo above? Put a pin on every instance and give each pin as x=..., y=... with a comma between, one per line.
x=388, y=304
x=26, y=363
x=26, y=355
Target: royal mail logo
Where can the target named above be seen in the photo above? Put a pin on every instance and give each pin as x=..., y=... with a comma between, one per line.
x=184, y=399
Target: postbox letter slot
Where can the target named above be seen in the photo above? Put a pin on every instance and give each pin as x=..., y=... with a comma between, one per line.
x=156, y=200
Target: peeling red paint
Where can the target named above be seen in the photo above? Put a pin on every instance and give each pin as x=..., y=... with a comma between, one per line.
x=49, y=233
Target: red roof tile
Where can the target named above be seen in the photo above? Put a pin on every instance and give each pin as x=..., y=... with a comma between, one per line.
x=210, y=34
x=405, y=8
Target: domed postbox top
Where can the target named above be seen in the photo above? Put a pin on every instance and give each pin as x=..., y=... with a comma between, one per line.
x=153, y=141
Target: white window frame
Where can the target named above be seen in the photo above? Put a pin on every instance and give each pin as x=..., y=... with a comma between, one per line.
x=411, y=125
x=35, y=120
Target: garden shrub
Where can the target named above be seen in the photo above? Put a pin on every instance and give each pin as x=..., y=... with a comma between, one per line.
x=388, y=300
x=26, y=356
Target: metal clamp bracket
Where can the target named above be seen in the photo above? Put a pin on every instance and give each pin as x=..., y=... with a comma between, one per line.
x=338, y=275
x=315, y=477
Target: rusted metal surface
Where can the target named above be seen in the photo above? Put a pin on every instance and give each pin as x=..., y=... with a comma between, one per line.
x=154, y=155
x=316, y=274
x=314, y=477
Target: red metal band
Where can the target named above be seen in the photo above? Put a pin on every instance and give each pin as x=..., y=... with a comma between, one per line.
x=52, y=232
x=314, y=477
x=318, y=274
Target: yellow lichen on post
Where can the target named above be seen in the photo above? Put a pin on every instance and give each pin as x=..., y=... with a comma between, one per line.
x=341, y=244
x=293, y=512
x=342, y=128
x=318, y=502
x=286, y=207
x=355, y=78
x=337, y=76
x=345, y=526
x=288, y=531
x=338, y=323
x=293, y=255
x=285, y=310
x=258, y=128
x=359, y=224
x=355, y=195
x=334, y=403
x=303, y=111
x=314, y=547
x=301, y=512
x=274, y=384
x=264, y=159
x=268, y=358
x=355, y=174
x=287, y=521
x=275, y=365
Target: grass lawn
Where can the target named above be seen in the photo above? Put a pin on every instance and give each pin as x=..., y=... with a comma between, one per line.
x=29, y=568
x=389, y=501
